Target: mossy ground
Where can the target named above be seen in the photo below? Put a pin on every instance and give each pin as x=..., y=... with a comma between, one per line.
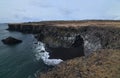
x=100, y=64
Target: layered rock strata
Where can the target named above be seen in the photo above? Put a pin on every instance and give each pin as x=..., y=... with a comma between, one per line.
x=62, y=34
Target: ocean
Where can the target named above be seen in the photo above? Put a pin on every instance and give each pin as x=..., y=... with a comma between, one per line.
x=20, y=60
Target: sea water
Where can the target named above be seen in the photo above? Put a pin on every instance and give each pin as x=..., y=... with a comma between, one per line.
x=24, y=59
x=41, y=53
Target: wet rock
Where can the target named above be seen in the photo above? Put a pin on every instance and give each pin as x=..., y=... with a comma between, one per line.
x=11, y=41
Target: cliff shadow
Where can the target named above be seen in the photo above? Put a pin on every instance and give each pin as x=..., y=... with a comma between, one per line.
x=76, y=50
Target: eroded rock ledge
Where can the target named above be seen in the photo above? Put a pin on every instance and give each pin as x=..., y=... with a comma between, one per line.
x=96, y=34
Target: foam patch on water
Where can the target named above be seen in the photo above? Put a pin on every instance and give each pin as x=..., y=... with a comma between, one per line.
x=41, y=53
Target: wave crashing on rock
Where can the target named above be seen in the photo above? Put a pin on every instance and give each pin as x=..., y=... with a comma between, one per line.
x=41, y=53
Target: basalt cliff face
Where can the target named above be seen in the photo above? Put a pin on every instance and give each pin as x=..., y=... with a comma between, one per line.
x=100, y=34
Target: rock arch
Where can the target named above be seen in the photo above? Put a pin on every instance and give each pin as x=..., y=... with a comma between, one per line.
x=76, y=50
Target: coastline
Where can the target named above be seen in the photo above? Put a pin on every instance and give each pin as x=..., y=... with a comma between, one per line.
x=97, y=35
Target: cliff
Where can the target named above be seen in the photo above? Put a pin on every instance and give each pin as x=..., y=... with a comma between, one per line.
x=98, y=40
x=96, y=34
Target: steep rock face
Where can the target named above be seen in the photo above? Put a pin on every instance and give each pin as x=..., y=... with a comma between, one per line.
x=76, y=50
x=95, y=37
x=25, y=28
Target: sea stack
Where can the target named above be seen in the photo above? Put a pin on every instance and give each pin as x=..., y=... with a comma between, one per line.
x=11, y=41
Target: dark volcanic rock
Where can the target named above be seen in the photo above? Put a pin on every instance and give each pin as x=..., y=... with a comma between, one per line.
x=79, y=42
x=76, y=50
x=96, y=35
x=11, y=41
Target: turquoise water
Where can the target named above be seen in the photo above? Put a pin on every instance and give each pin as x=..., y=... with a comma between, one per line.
x=18, y=61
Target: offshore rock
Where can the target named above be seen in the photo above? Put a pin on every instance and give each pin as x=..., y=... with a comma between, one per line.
x=11, y=41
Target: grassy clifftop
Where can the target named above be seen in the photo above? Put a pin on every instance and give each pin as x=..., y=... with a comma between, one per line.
x=100, y=64
x=79, y=23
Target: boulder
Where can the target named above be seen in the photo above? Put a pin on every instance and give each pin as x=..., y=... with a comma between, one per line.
x=11, y=41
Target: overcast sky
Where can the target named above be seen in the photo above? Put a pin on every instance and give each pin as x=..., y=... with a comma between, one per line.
x=39, y=10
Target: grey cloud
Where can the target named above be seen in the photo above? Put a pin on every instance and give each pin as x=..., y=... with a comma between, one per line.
x=37, y=10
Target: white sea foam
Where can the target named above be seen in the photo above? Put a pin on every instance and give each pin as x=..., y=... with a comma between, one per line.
x=41, y=53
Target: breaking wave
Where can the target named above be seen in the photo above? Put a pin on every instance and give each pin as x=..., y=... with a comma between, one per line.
x=41, y=53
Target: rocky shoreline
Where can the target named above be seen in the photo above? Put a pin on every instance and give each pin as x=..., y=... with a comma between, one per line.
x=61, y=36
x=95, y=34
